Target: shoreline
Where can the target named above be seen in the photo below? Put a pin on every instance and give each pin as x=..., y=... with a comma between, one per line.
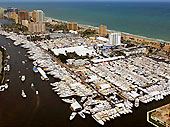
x=123, y=33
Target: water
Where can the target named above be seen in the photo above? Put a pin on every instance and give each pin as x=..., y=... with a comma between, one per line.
x=150, y=19
x=46, y=109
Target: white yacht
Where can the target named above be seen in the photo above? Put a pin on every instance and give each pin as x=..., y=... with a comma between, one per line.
x=23, y=78
x=98, y=119
x=137, y=102
x=69, y=100
x=81, y=114
x=32, y=84
x=6, y=86
x=36, y=92
x=23, y=94
x=73, y=114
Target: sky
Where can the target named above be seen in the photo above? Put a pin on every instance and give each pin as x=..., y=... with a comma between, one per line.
x=78, y=0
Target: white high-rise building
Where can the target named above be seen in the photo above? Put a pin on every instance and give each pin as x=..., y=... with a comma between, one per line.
x=39, y=16
x=115, y=38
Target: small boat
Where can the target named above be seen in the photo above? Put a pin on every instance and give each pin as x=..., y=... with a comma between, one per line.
x=137, y=102
x=2, y=89
x=23, y=94
x=85, y=111
x=81, y=114
x=23, y=62
x=6, y=86
x=23, y=78
x=42, y=78
x=83, y=99
x=32, y=84
x=73, y=114
x=69, y=100
x=98, y=119
x=35, y=69
x=36, y=92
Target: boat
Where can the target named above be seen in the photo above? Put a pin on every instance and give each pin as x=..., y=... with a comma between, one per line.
x=42, y=78
x=83, y=99
x=95, y=117
x=6, y=86
x=81, y=114
x=2, y=89
x=23, y=78
x=136, y=102
x=36, y=92
x=32, y=84
x=35, y=69
x=69, y=100
x=23, y=62
x=23, y=94
x=85, y=111
x=73, y=114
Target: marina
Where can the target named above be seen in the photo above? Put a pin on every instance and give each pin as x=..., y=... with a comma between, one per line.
x=99, y=114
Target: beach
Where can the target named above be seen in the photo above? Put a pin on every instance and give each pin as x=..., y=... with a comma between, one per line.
x=135, y=17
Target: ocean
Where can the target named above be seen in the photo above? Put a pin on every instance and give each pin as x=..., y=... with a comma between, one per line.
x=150, y=19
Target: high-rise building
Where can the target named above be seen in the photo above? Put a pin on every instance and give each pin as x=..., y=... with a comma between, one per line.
x=30, y=14
x=39, y=16
x=34, y=15
x=72, y=26
x=36, y=27
x=115, y=38
x=22, y=15
x=102, y=30
x=1, y=13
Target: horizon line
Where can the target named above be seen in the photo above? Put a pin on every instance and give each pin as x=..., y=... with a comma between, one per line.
x=86, y=1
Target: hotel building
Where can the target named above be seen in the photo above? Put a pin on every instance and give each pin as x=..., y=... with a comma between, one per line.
x=39, y=16
x=23, y=15
x=72, y=26
x=115, y=38
x=102, y=30
x=36, y=27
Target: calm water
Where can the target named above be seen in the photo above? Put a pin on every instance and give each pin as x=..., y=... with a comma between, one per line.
x=46, y=109
x=147, y=19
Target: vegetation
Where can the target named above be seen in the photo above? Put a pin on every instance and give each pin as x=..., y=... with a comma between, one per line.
x=57, y=27
x=88, y=32
x=15, y=28
x=130, y=45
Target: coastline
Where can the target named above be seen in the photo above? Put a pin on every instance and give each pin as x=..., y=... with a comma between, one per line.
x=124, y=33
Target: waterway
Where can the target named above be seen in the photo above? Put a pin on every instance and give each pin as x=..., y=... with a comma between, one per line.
x=46, y=109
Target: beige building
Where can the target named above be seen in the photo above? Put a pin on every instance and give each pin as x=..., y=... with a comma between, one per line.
x=72, y=26
x=39, y=16
x=36, y=27
x=102, y=30
x=34, y=15
x=25, y=23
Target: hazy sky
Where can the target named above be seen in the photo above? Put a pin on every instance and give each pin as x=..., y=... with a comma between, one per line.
x=77, y=0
